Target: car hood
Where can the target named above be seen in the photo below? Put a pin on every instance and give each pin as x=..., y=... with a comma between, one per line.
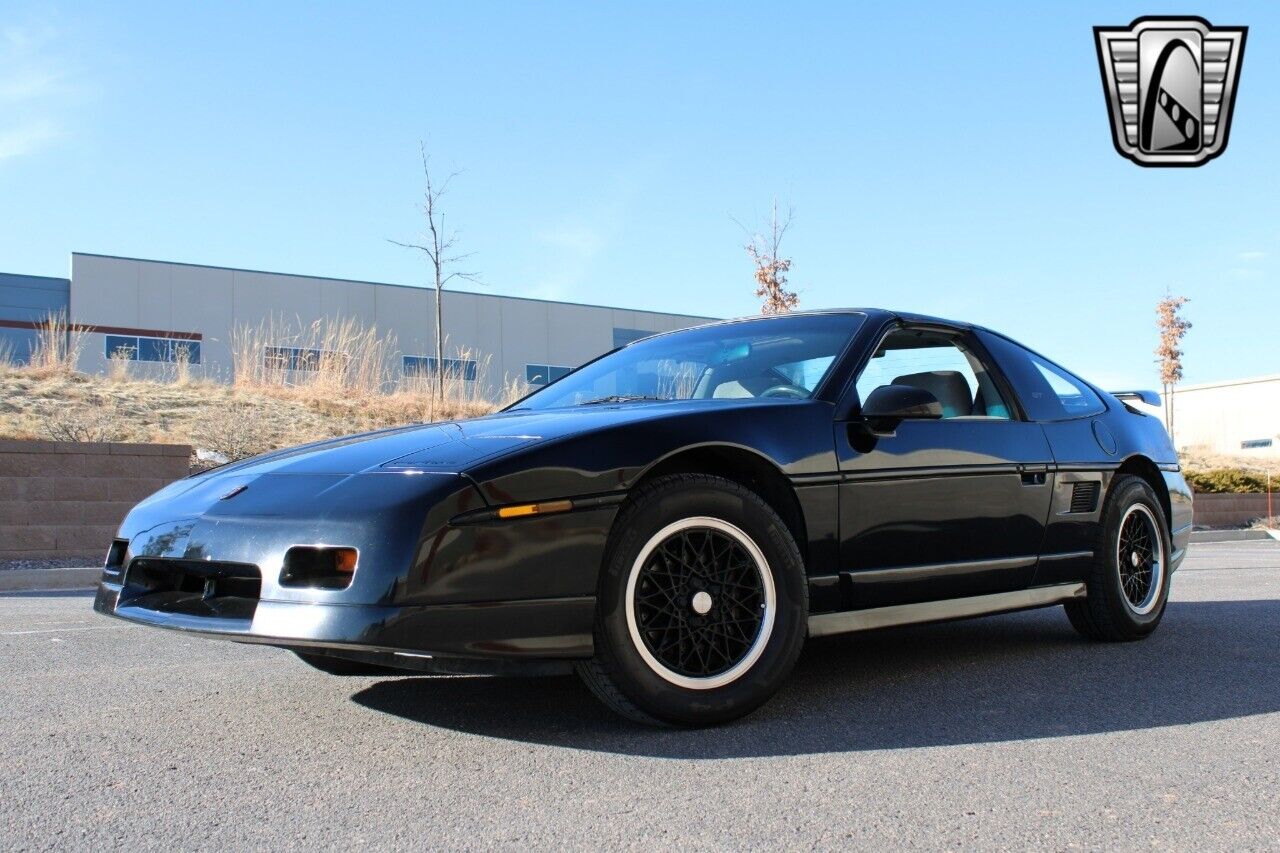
x=345, y=478
x=450, y=447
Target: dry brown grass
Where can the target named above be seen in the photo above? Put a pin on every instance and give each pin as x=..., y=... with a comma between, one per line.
x=326, y=357
x=1204, y=459
x=351, y=384
x=234, y=421
x=58, y=347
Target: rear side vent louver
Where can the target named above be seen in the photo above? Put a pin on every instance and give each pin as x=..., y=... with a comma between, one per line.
x=1084, y=497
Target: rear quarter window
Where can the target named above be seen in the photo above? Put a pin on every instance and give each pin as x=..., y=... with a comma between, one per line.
x=1047, y=391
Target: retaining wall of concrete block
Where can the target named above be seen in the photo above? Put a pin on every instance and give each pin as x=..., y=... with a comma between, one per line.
x=66, y=498
x=1233, y=510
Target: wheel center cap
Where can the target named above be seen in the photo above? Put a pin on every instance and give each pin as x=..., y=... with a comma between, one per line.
x=701, y=603
x=1135, y=559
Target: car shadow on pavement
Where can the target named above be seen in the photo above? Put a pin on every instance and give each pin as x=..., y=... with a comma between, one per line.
x=1002, y=678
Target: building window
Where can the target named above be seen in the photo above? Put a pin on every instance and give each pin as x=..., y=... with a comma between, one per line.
x=543, y=374
x=622, y=337
x=142, y=348
x=298, y=358
x=1255, y=443
x=454, y=368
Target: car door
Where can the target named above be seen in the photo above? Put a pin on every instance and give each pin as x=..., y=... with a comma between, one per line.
x=1074, y=419
x=940, y=508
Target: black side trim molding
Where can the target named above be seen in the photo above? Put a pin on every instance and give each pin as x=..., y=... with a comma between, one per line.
x=799, y=480
x=1068, y=555
x=940, y=471
x=937, y=570
x=1087, y=466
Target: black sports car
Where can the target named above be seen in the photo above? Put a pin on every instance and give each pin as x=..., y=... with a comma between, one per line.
x=673, y=519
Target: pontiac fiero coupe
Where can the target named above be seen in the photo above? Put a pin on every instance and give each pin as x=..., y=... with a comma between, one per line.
x=673, y=519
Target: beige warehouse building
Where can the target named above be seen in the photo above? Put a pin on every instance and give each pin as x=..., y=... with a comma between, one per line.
x=149, y=311
x=1239, y=417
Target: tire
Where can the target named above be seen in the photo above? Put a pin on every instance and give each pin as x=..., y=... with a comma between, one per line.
x=1128, y=586
x=342, y=666
x=702, y=604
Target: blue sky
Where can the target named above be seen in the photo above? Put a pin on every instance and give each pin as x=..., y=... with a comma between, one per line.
x=940, y=158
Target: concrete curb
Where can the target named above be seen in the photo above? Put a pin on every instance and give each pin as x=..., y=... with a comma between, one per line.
x=28, y=580
x=1228, y=535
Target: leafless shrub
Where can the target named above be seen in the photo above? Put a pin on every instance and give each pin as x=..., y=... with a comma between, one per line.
x=98, y=420
x=237, y=430
x=437, y=245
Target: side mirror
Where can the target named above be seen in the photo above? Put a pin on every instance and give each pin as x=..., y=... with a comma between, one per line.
x=889, y=404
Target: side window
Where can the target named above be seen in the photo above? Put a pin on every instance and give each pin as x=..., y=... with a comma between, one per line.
x=940, y=364
x=1048, y=392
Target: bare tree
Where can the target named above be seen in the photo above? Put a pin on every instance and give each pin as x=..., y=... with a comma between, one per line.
x=438, y=245
x=764, y=249
x=1169, y=352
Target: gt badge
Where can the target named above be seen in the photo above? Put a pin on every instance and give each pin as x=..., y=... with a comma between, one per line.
x=1170, y=85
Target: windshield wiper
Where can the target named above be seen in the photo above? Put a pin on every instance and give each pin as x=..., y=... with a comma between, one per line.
x=622, y=398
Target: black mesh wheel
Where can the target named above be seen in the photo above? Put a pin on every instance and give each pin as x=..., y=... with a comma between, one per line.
x=1140, y=558
x=702, y=604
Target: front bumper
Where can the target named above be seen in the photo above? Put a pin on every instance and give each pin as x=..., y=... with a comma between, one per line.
x=553, y=628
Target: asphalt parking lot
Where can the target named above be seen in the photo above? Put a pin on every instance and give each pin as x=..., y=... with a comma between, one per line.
x=1005, y=732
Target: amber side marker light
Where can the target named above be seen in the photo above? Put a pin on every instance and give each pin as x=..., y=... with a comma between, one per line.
x=344, y=560
x=521, y=510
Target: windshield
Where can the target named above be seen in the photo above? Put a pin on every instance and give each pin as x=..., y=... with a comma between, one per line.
x=784, y=357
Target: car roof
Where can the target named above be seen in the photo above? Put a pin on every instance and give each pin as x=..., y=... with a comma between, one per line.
x=880, y=314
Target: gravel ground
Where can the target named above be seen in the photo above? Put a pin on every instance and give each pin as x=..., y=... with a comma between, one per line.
x=1008, y=732
x=58, y=563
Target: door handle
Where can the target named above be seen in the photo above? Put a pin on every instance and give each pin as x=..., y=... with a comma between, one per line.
x=1033, y=475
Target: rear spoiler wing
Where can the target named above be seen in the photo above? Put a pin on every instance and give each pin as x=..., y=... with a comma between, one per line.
x=1151, y=398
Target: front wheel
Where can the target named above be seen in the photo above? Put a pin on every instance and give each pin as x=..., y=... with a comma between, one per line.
x=1128, y=587
x=702, y=604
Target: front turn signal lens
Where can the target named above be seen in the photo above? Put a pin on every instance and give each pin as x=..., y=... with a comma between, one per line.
x=344, y=560
x=520, y=510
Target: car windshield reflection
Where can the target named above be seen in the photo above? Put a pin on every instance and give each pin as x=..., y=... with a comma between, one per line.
x=775, y=357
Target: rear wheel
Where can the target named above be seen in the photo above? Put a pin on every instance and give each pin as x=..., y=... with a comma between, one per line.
x=1129, y=584
x=702, y=604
